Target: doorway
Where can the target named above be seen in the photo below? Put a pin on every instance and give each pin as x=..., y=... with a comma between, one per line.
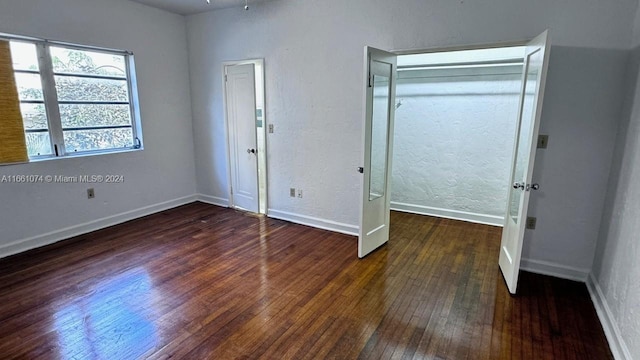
x=454, y=134
x=245, y=120
x=374, y=215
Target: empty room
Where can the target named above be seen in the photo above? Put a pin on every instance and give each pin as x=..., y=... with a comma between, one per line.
x=305, y=179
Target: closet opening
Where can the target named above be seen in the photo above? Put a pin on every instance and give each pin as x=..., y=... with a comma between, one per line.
x=456, y=115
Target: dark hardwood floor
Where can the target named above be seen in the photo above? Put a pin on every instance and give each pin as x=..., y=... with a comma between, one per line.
x=204, y=282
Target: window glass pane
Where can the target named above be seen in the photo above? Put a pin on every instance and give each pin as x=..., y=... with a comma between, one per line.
x=523, y=142
x=38, y=143
x=379, y=133
x=24, y=56
x=93, y=91
x=29, y=86
x=83, y=115
x=72, y=88
x=71, y=61
x=34, y=116
x=85, y=140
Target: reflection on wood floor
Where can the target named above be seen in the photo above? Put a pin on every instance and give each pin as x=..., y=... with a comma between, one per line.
x=201, y=281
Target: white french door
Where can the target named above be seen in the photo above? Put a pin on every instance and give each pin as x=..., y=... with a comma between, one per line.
x=240, y=98
x=380, y=92
x=531, y=96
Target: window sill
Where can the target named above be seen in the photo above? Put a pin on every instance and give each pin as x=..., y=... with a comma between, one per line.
x=82, y=155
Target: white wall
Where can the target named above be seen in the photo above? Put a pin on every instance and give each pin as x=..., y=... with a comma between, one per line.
x=584, y=93
x=162, y=174
x=453, y=144
x=635, y=36
x=616, y=270
x=313, y=58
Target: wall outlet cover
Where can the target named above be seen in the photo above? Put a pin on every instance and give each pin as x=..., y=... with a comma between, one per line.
x=531, y=223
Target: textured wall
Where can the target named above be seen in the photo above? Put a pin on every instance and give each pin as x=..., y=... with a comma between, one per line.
x=164, y=171
x=616, y=267
x=635, y=36
x=454, y=135
x=313, y=62
x=581, y=113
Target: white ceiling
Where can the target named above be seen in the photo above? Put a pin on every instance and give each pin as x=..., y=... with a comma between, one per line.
x=188, y=7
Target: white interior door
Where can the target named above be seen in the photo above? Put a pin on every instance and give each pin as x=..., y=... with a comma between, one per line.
x=380, y=94
x=240, y=95
x=533, y=80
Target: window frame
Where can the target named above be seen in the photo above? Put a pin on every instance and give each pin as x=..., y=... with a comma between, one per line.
x=52, y=104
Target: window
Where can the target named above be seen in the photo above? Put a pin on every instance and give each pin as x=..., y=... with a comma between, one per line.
x=74, y=100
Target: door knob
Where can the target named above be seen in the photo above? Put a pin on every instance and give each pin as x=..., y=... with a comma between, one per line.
x=251, y=151
x=533, y=187
x=518, y=185
x=361, y=170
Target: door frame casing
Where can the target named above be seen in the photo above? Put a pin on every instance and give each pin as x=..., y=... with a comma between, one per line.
x=437, y=49
x=263, y=154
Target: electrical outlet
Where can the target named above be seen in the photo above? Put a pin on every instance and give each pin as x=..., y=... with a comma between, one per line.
x=91, y=193
x=300, y=193
x=543, y=141
x=531, y=223
x=270, y=128
x=292, y=192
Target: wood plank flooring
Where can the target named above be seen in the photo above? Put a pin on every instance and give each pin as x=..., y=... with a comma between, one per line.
x=204, y=282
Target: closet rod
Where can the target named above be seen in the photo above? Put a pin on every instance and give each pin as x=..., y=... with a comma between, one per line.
x=475, y=64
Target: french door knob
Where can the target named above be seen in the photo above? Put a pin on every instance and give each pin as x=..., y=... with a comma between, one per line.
x=533, y=187
x=251, y=151
x=518, y=185
x=361, y=170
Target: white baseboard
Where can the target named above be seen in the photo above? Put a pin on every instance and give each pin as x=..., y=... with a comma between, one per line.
x=69, y=232
x=554, y=269
x=314, y=222
x=213, y=200
x=611, y=330
x=449, y=214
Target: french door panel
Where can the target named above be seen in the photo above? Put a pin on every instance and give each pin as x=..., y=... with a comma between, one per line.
x=531, y=97
x=379, y=100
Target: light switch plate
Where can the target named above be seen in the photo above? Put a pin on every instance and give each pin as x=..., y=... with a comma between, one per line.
x=543, y=141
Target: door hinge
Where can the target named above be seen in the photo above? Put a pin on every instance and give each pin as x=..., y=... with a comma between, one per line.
x=369, y=82
x=231, y=190
x=225, y=78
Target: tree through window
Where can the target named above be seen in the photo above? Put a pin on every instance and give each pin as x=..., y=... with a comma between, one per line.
x=81, y=102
